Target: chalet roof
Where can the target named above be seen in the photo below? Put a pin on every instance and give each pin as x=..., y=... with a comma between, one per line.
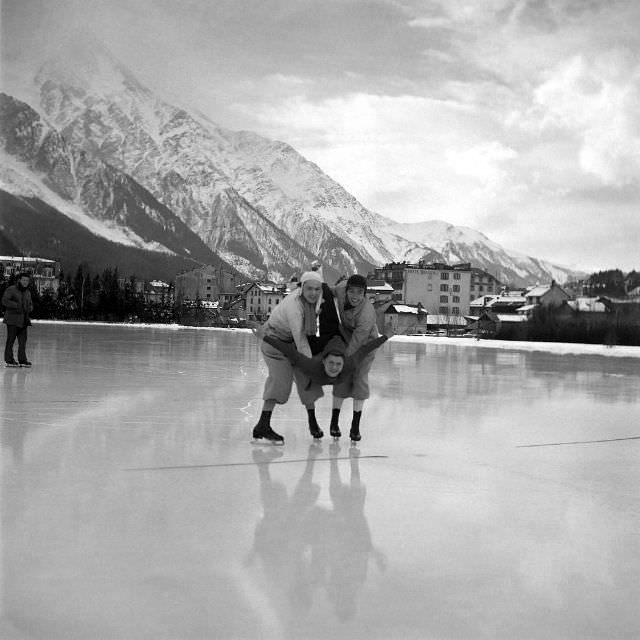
x=379, y=285
x=405, y=308
x=526, y=307
x=512, y=317
x=538, y=291
x=497, y=301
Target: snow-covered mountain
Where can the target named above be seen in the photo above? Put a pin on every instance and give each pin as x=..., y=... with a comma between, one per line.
x=115, y=147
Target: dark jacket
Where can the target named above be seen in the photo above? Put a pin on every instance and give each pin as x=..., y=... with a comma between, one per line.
x=18, y=306
x=313, y=367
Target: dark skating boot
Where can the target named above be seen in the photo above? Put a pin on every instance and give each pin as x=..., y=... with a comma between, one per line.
x=354, y=434
x=314, y=427
x=263, y=429
x=334, y=427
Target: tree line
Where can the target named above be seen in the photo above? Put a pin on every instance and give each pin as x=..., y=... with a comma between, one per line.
x=103, y=297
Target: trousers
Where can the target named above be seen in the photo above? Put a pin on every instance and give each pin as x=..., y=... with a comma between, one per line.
x=20, y=333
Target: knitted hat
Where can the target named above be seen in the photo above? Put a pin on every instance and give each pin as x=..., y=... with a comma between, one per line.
x=335, y=347
x=357, y=280
x=310, y=275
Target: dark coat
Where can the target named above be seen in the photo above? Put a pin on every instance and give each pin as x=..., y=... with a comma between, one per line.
x=18, y=306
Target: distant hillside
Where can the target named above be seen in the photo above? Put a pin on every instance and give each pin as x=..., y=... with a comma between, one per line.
x=59, y=237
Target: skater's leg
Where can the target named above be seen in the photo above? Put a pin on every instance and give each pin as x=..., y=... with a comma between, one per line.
x=263, y=428
x=354, y=433
x=314, y=427
x=334, y=427
x=12, y=332
x=22, y=345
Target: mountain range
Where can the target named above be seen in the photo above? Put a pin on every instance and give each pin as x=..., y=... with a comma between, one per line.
x=95, y=154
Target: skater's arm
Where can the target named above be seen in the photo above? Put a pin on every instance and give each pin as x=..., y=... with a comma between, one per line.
x=9, y=300
x=365, y=349
x=289, y=350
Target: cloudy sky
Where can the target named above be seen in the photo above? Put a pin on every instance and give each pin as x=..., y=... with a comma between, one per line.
x=518, y=118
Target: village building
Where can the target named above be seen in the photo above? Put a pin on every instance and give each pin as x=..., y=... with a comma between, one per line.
x=45, y=273
x=483, y=283
x=204, y=283
x=261, y=298
x=550, y=295
x=406, y=319
x=440, y=288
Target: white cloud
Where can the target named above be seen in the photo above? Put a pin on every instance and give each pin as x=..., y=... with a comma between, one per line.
x=600, y=106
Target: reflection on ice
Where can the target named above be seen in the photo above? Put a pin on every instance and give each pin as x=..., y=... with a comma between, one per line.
x=308, y=550
x=134, y=506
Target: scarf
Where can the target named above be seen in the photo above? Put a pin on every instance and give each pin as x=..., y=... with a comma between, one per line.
x=310, y=320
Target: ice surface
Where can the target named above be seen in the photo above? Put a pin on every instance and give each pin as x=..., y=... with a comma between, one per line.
x=134, y=505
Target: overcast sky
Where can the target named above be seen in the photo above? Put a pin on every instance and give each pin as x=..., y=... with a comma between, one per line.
x=518, y=118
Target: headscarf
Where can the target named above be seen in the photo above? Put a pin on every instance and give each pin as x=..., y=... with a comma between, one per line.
x=311, y=311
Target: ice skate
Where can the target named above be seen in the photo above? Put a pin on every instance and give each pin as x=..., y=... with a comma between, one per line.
x=316, y=432
x=334, y=427
x=12, y=363
x=261, y=431
x=26, y=363
x=354, y=434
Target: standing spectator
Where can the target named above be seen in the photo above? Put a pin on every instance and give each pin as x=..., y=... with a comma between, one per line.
x=18, y=306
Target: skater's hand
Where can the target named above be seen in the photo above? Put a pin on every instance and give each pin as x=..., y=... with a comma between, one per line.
x=257, y=329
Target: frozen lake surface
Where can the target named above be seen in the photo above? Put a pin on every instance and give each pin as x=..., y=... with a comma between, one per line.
x=495, y=494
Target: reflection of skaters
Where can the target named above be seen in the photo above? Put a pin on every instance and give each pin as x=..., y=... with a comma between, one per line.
x=289, y=531
x=350, y=536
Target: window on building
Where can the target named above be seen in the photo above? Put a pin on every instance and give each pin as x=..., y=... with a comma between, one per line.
x=429, y=287
x=444, y=275
x=456, y=287
x=480, y=288
x=443, y=311
x=456, y=299
x=455, y=311
x=456, y=276
x=277, y=300
x=444, y=298
x=208, y=288
x=444, y=287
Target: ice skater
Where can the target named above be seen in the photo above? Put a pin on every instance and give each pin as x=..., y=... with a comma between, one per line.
x=358, y=326
x=330, y=367
x=292, y=321
x=18, y=304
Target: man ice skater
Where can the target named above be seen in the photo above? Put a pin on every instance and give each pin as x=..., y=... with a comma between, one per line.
x=292, y=321
x=18, y=304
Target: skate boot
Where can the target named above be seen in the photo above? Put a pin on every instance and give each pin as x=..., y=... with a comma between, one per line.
x=314, y=428
x=354, y=434
x=263, y=430
x=11, y=363
x=334, y=427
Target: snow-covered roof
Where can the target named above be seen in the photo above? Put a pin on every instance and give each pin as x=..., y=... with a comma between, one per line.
x=511, y=317
x=538, y=291
x=386, y=287
x=405, y=308
x=24, y=259
x=526, y=307
x=159, y=283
